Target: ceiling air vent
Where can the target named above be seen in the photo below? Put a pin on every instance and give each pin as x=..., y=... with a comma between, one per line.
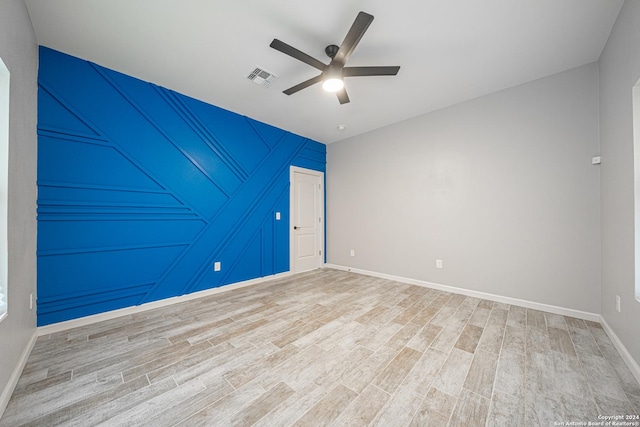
x=262, y=77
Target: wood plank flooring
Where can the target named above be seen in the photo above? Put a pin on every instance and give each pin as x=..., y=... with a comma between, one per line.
x=326, y=348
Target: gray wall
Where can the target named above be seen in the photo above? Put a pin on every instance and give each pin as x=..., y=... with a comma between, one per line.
x=501, y=188
x=18, y=51
x=619, y=71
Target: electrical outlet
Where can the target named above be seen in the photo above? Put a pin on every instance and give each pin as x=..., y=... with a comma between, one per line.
x=438, y=263
x=618, y=303
x=277, y=216
x=353, y=252
x=217, y=266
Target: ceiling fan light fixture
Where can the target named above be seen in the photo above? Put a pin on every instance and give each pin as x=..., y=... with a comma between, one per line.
x=333, y=84
x=333, y=78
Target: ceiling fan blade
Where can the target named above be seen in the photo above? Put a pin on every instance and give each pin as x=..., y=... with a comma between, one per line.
x=342, y=96
x=369, y=71
x=303, y=85
x=357, y=30
x=297, y=54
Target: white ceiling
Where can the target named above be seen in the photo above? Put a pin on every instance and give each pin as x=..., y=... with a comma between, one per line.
x=449, y=50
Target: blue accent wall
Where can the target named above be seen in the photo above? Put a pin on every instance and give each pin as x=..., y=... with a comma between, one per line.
x=142, y=189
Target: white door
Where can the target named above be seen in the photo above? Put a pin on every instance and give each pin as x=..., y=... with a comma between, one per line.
x=307, y=219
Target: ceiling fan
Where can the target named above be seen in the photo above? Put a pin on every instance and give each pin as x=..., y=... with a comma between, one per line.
x=332, y=75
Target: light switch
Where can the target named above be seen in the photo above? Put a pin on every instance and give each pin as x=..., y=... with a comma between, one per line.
x=277, y=216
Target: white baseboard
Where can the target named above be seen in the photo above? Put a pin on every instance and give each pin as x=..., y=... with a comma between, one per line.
x=15, y=375
x=87, y=320
x=626, y=356
x=476, y=294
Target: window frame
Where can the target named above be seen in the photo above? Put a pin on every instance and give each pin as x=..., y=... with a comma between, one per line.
x=4, y=187
x=635, y=94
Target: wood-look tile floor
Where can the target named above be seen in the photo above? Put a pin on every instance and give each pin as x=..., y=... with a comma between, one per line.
x=326, y=348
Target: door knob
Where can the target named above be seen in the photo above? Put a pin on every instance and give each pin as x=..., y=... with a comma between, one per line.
x=295, y=227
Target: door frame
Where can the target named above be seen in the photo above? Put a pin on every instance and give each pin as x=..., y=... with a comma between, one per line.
x=292, y=171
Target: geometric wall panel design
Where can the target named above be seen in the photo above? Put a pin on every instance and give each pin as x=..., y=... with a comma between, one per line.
x=142, y=189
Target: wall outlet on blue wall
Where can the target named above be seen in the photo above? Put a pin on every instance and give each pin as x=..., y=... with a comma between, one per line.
x=217, y=266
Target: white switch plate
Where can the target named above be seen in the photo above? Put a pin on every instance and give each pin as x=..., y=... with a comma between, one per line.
x=438, y=263
x=618, y=303
x=217, y=266
x=277, y=216
x=353, y=252
x=31, y=301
